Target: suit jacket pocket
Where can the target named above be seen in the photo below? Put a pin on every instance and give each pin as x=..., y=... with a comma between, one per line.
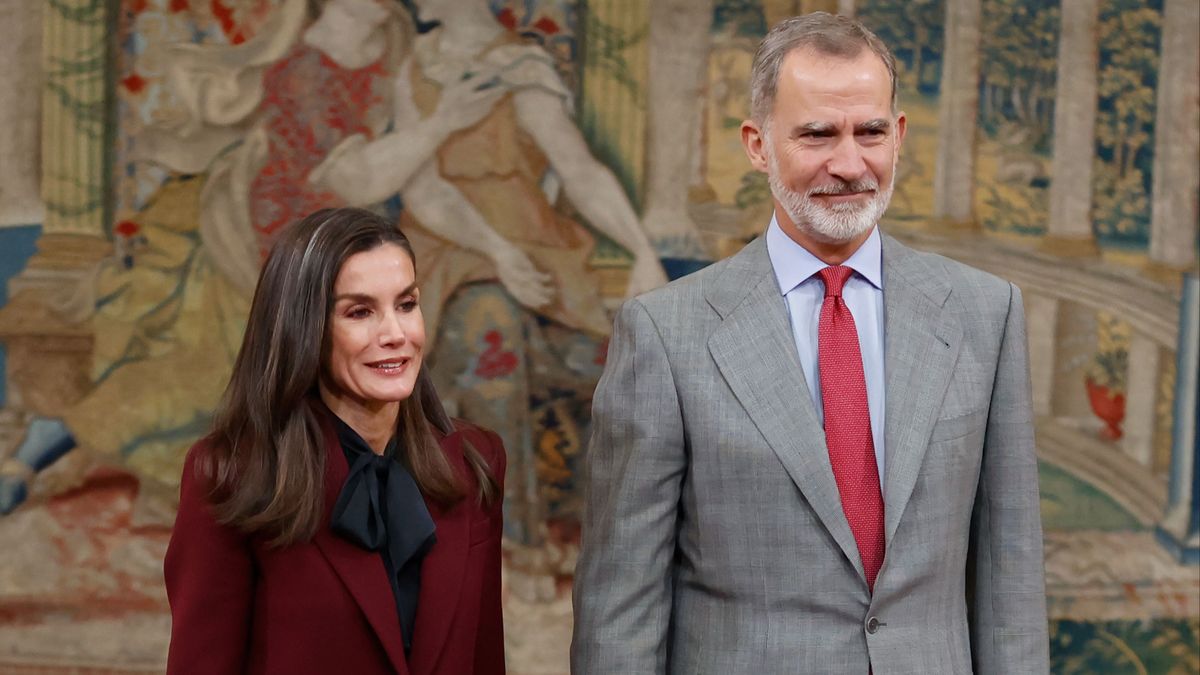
x=951, y=428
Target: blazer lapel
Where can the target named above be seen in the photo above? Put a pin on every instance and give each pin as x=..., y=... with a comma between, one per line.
x=442, y=571
x=361, y=571
x=756, y=353
x=922, y=345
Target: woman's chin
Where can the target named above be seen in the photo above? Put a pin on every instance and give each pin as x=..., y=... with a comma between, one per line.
x=387, y=396
x=375, y=394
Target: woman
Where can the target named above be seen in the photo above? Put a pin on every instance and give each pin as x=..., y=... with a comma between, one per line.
x=240, y=174
x=335, y=519
x=515, y=288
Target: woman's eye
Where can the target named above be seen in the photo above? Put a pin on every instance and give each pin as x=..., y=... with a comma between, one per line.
x=408, y=305
x=358, y=313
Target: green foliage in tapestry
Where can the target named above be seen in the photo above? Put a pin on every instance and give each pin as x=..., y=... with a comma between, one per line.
x=913, y=29
x=89, y=11
x=753, y=191
x=1069, y=503
x=605, y=52
x=743, y=18
x=604, y=56
x=1163, y=646
x=1017, y=79
x=1018, y=62
x=1018, y=209
x=1130, y=32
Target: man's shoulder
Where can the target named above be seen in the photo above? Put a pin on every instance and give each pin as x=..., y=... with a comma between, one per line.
x=970, y=283
x=682, y=295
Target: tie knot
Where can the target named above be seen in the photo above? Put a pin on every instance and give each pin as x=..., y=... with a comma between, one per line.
x=835, y=277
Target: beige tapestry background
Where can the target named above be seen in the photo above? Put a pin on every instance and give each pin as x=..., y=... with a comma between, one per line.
x=150, y=148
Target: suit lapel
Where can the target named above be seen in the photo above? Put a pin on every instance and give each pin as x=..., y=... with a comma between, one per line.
x=756, y=353
x=442, y=571
x=361, y=571
x=922, y=345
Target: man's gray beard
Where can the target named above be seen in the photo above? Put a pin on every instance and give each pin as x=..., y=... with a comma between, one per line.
x=838, y=223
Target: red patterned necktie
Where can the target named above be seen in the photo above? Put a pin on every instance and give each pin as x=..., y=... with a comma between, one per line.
x=848, y=422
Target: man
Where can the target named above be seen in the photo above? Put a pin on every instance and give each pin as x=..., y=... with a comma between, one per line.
x=816, y=456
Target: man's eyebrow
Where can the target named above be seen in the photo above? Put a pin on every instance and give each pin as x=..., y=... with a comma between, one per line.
x=877, y=124
x=368, y=299
x=813, y=128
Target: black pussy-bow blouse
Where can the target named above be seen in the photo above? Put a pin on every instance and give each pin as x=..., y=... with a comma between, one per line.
x=381, y=509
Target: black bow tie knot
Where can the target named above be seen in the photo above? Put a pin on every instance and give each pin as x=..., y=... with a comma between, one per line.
x=380, y=508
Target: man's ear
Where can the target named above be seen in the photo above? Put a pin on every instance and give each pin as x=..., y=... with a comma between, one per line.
x=901, y=128
x=754, y=139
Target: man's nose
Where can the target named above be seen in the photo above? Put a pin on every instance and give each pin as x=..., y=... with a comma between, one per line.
x=847, y=162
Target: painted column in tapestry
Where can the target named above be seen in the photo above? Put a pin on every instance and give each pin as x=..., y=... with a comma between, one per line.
x=45, y=325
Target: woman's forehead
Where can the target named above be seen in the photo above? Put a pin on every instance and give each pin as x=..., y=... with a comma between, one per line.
x=385, y=266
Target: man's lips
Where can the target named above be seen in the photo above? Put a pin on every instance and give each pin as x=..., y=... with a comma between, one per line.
x=843, y=196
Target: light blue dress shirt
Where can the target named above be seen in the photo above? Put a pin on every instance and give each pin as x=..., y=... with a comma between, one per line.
x=804, y=292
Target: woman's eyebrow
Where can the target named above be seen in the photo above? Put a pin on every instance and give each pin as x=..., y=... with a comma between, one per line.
x=367, y=299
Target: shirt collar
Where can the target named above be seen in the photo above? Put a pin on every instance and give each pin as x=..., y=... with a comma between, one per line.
x=794, y=264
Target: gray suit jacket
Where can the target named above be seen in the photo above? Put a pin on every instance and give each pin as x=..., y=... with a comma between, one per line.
x=714, y=539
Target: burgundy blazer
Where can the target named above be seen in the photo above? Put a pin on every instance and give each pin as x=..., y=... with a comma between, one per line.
x=240, y=606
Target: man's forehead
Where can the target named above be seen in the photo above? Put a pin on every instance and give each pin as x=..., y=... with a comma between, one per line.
x=820, y=71
x=805, y=70
x=811, y=57
x=836, y=83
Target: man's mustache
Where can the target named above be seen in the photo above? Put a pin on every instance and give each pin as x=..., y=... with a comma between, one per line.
x=845, y=188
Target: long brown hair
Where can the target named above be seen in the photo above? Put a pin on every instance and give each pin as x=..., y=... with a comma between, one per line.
x=266, y=458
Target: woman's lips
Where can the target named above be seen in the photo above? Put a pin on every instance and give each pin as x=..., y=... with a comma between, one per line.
x=390, y=366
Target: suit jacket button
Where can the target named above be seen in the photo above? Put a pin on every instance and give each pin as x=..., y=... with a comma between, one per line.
x=873, y=625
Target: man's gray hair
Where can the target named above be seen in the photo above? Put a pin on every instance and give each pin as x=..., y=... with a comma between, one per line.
x=820, y=32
